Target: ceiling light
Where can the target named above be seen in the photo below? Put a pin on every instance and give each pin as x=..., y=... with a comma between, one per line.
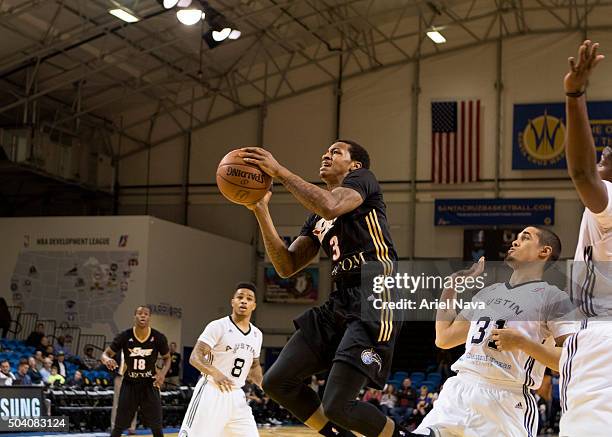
x=124, y=14
x=189, y=17
x=436, y=37
x=184, y=3
x=234, y=34
x=222, y=34
x=169, y=4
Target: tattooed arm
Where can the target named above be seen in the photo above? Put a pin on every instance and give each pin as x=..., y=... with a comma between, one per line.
x=201, y=358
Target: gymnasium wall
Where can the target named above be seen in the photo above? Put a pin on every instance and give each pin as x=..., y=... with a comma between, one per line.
x=92, y=272
x=376, y=110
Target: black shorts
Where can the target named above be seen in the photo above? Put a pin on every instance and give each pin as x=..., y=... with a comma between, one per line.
x=338, y=331
x=139, y=396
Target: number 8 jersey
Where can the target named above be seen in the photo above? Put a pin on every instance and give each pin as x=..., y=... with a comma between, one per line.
x=233, y=350
x=536, y=309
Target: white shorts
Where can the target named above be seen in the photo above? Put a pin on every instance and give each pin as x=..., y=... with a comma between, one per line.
x=213, y=413
x=471, y=407
x=585, y=382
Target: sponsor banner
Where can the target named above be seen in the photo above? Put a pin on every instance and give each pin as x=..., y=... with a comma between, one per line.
x=303, y=287
x=479, y=212
x=538, y=133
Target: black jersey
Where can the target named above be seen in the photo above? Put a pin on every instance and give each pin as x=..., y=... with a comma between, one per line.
x=358, y=237
x=140, y=356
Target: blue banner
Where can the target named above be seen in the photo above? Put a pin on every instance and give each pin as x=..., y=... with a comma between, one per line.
x=538, y=134
x=479, y=212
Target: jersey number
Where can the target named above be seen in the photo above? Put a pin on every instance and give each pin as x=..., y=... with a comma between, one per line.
x=483, y=323
x=238, y=365
x=140, y=364
x=333, y=242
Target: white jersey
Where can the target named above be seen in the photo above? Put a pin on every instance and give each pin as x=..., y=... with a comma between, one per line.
x=533, y=308
x=591, y=274
x=233, y=349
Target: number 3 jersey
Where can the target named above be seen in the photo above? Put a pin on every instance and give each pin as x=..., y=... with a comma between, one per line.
x=538, y=310
x=233, y=349
x=358, y=237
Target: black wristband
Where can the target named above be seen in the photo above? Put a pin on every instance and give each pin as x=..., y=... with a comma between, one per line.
x=576, y=94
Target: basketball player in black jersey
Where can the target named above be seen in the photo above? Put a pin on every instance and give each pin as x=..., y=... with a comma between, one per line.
x=141, y=381
x=349, y=222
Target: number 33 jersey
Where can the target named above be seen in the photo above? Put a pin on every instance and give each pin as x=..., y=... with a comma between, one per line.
x=233, y=349
x=537, y=310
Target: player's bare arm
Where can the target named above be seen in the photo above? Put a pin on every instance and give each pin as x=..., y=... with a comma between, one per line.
x=286, y=260
x=255, y=375
x=202, y=358
x=108, y=360
x=580, y=146
x=160, y=376
x=509, y=339
x=451, y=329
x=324, y=203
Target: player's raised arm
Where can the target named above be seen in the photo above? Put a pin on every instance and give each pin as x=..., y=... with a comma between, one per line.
x=202, y=358
x=286, y=260
x=324, y=203
x=579, y=146
x=256, y=373
x=452, y=330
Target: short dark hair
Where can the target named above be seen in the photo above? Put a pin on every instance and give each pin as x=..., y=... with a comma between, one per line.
x=4, y=361
x=358, y=152
x=247, y=285
x=549, y=238
x=142, y=306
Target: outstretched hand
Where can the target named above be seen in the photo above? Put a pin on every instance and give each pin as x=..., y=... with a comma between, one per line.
x=580, y=69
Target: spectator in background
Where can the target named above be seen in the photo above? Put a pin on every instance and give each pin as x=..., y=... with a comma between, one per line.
x=172, y=377
x=38, y=356
x=89, y=361
x=34, y=338
x=406, y=401
x=77, y=380
x=388, y=399
x=35, y=376
x=60, y=363
x=60, y=344
x=5, y=317
x=45, y=372
x=22, y=377
x=68, y=345
x=444, y=364
x=55, y=378
x=48, y=349
x=6, y=375
x=372, y=396
x=424, y=404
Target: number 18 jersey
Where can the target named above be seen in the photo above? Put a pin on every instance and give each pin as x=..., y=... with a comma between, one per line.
x=536, y=309
x=233, y=349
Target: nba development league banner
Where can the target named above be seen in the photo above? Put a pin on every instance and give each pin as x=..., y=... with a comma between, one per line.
x=539, y=133
x=482, y=212
x=302, y=287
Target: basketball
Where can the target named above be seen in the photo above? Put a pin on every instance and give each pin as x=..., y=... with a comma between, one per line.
x=241, y=182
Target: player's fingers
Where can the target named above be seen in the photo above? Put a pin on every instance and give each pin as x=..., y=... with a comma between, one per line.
x=572, y=63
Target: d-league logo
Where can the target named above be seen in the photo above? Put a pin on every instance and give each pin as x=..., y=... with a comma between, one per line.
x=368, y=357
x=542, y=140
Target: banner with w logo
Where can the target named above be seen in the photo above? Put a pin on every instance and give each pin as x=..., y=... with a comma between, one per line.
x=539, y=133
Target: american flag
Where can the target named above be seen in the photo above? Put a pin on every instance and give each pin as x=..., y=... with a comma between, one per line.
x=455, y=141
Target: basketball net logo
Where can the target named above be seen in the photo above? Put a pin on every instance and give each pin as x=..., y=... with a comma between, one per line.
x=541, y=141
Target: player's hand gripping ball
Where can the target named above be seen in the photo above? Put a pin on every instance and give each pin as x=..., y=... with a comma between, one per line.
x=241, y=182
